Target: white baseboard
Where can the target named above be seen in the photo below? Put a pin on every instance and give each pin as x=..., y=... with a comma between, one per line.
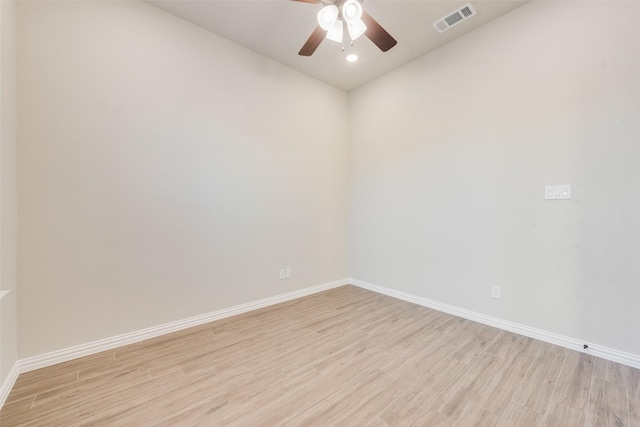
x=59, y=356
x=628, y=359
x=52, y=358
x=8, y=383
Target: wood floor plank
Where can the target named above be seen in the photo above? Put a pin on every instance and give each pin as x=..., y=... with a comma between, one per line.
x=314, y=354
x=27, y=389
x=69, y=366
x=574, y=382
x=480, y=370
x=268, y=416
x=416, y=414
x=633, y=397
x=560, y=415
x=276, y=391
x=335, y=379
x=376, y=422
x=472, y=415
x=343, y=357
x=401, y=373
x=523, y=345
x=502, y=344
x=264, y=354
x=335, y=403
x=538, y=384
x=110, y=394
x=478, y=342
x=232, y=405
x=145, y=408
x=632, y=376
x=516, y=415
x=499, y=390
x=420, y=399
x=609, y=371
x=410, y=336
x=124, y=375
x=607, y=405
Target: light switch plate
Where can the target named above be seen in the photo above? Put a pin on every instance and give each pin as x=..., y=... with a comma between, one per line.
x=557, y=192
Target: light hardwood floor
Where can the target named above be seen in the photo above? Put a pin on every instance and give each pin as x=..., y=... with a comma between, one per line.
x=345, y=357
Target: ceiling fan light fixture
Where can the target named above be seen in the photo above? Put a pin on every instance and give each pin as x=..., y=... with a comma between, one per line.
x=328, y=16
x=350, y=14
x=356, y=29
x=351, y=11
x=352, y=57
x=335, y=32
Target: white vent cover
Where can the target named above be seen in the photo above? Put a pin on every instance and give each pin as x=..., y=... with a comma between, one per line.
x=454, y=18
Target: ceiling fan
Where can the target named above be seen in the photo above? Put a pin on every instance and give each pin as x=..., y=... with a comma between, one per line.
x=332, y=19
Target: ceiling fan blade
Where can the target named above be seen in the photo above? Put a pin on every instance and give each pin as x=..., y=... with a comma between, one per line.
x=313, y=42
x=377, y=34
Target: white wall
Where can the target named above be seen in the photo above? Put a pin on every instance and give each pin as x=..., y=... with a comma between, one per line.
x=8, y=244
x=164, y=172
x=450, y=155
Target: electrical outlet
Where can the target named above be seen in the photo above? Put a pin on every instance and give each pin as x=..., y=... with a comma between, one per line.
x=555, y=192
x=282, y=274
x=288, y=272
x=495, y=292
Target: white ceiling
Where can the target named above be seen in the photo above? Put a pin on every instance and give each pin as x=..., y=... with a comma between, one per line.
x=278, y=29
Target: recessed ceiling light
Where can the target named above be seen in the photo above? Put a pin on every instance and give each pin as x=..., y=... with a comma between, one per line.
x=352, y=57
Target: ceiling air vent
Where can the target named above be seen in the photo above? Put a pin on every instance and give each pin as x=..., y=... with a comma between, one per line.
x=454, y=18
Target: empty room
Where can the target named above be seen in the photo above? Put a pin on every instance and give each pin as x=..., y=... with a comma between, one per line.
x=319, y=212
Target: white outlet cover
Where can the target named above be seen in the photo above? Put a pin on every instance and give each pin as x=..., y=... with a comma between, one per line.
x=557, y=192
x=495, y=292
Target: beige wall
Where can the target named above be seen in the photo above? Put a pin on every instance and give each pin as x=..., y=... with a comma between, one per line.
x=450, y=155
x=165, y=172
x=8, y=245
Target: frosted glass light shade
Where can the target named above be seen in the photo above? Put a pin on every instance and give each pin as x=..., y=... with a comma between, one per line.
x=335, y=32
x=327, y=17
x=356, y=29
x=351, y=11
